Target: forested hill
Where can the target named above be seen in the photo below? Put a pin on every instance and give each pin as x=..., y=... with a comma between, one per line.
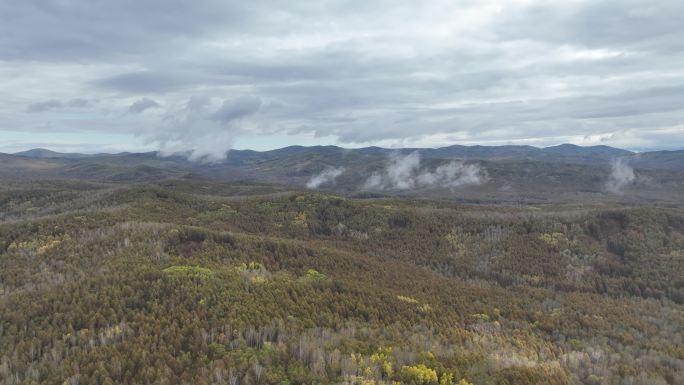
x=563, y=152
x=496, y=174
x=197, y=282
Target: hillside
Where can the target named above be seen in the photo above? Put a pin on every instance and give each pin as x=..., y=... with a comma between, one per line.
x=508, y=174
x=45, y=153
x=197, y=282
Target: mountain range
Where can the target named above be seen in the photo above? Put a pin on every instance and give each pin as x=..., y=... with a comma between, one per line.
x=496, y=173
x=565, y=152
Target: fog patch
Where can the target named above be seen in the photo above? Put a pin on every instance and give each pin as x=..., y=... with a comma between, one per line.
x=621, y=175
x=405, y=173
x=327, y=176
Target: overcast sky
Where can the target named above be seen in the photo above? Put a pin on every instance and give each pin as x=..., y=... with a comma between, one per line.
x=206, y=76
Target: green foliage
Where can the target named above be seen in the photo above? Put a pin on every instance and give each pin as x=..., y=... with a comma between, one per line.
x=251, y=267
x=315, y=275
x=255, y=272
x=217, y=350
x=447, y=379
x=418, y=375
x=189, y=271
x=383, y=357
x=553, y=239
x=40, y=245
x=407, y=299
x=300, y=220
x=458, y=239
x=170, y=284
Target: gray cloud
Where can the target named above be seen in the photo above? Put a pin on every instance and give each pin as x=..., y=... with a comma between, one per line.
x=239, y=108
x=350, y=72
x=80, y=103
x=54, y=104
x=145, y=81
x=614, y=23
x=44, y=106
x=72, y=30
x=143, y=104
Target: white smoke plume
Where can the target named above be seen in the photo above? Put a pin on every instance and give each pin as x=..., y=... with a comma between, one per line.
x=203, y=129
x=453, y=174
x=326, y=176
x=400, y=174
x=621, y=175
x=404, y=173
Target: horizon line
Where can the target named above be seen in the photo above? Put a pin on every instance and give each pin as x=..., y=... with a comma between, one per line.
x=183, y=153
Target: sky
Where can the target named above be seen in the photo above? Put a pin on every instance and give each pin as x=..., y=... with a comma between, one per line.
x=202, y=77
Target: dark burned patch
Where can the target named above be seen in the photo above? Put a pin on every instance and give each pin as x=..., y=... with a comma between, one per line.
x=187, y=249
x=607, y=224
x=587, y=241
x=187, y=241
x=399, y=221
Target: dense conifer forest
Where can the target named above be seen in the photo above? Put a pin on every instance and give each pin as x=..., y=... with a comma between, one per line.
x=194, y=282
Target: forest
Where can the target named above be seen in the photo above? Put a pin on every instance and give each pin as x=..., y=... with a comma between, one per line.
x=187, y=281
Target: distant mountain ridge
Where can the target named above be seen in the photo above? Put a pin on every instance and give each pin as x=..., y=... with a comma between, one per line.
x=44, y=153
x=558, y=173
x=453, y=151
x=564, y=149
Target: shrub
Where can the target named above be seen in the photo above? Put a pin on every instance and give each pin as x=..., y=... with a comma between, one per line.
x=315, y=275
x=418, y=375
x=192, y=271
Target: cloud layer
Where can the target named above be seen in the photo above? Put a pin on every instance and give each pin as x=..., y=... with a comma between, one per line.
x=424, y=73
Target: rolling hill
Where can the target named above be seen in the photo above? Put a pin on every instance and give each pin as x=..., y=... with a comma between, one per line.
x=504, y=173
x=199, y=282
